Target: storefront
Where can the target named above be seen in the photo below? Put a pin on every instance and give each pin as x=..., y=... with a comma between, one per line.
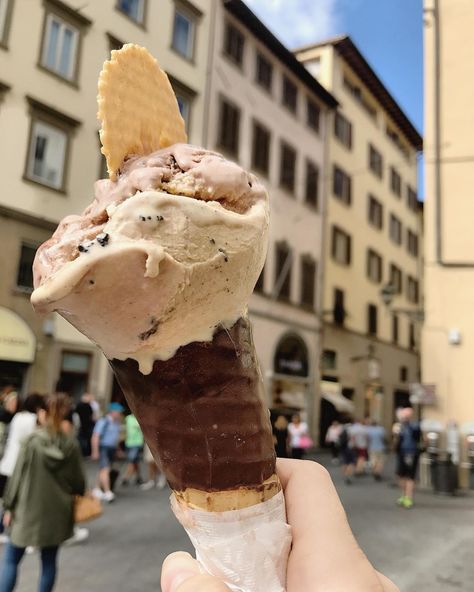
x=291, y=380
x=17, y=350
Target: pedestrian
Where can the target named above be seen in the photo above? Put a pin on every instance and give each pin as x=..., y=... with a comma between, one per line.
x=134, y=449
x=298, y=430
x=105, y=441
x=332, y=438
x=408, y=453
x=453, y=441
x=376, y=441
x=21, y=426
x=360, y=441
x=85, y=413
x=39, y=495
x=155, y=477
x=346, y=449
x=280, y=436
x=8, y=408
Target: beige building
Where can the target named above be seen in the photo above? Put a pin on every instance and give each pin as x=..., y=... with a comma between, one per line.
x=448, y=336
x=271, y=116
x=50, y=55
x=372, y=238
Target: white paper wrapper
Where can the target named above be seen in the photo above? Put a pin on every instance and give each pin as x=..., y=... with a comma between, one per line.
x=248, y=549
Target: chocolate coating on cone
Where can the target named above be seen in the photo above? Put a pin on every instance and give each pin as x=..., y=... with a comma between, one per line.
x=202, y=413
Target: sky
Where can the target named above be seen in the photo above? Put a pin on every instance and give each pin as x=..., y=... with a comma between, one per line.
x=389, y=33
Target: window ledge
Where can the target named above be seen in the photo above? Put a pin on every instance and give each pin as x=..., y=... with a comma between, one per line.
x=190, y=60
x=232, y=62
x=72, y=83
x=4, y=45
x=61, y=190
x=312, y=207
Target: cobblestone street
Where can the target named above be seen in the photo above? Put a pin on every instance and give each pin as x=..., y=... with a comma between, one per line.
x=426, y=549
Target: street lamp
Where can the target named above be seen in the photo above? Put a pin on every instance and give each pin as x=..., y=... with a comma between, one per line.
x=387, y=294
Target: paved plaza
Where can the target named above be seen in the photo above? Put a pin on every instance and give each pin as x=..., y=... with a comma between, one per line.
x=428, y=548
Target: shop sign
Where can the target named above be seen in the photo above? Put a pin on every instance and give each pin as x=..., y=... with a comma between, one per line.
x=17, y=340
x=422, y=394
x=291, y=357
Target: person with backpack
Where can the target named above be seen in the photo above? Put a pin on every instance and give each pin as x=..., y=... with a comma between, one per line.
x=105, y=441
x=408, y=454
x=39, y=497
x=347, y=450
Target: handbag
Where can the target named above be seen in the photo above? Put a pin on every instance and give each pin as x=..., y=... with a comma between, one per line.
x=306, y=442
x=86, y=507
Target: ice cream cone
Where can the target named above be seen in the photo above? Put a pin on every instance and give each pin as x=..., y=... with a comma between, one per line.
x=204, y=420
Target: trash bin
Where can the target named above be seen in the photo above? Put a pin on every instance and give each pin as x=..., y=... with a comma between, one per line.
x=444, y=474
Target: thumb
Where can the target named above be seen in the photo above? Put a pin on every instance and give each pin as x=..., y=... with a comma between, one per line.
x=181, y=573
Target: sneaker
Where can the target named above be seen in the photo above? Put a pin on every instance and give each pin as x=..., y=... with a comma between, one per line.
x=408, y=503
x=401, y=501
x=30, y=550
x=147, y=486
x=98, y=493
x=348, y=481
x=108, y=496
x=4, y=538
x=80, y=535
x=161, y=483
x=138, y=481
x=124, y=483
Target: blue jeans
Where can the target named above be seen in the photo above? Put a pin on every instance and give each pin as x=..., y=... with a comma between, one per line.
x=11, y=559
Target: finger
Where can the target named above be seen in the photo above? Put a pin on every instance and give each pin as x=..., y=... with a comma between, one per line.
x=325, y=552
x=202, y=583
x=388, y=585
x=177, y=568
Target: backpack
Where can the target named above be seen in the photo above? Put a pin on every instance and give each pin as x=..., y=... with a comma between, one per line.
x=343, y=440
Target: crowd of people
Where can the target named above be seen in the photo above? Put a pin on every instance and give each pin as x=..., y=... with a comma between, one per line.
x=44, y=441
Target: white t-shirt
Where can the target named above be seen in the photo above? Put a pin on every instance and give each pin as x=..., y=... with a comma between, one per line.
x=296, y=431
x=22, y=425
x=359, y=435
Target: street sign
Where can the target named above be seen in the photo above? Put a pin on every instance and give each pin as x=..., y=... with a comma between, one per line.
x=422, y=394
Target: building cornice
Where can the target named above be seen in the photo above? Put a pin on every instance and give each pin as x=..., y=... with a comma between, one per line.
x=27, y=218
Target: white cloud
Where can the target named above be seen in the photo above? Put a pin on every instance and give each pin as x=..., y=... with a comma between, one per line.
x=297, y=22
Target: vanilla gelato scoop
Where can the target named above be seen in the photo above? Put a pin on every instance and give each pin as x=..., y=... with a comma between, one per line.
x=162, y=256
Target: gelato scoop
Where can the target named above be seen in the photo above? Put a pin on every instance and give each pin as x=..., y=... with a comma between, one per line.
x=180, y=237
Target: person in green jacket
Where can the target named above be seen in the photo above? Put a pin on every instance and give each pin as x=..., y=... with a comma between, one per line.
x=134, y=442
x=39, y=496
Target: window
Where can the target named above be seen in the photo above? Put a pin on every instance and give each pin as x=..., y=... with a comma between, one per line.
x=183, y=34
x=372, y=319
x=234, y=44
x=312, y=184
x=290, y=94
x=341, y=185
x=395, y=182
x=60, y=47
x=395, y=230
x=375, y=161
x=341, y=246
x=403, y=374
x=229, y=127
x=395, y=329
x=264, y=72
x=359, y=96
x=135, y=9
x=283, y=271
x=374, y=266
x=394, y=136
x=185, y=97
x=339, y=312
x=50, y=135
x=412, y=243
x=260, y=285
x=287, y=166
x=375, y=212
x=261, y=148
x=5, y=19
x=313, y=113
x=329, y=359
x=412, y=290
x=24, y=278
x=411, y=336
x=308, y=280
x=395, y=278
x=412, y=199
x=343, y=130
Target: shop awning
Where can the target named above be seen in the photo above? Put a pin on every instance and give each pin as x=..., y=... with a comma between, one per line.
x=331, y=391
x=17, y=340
